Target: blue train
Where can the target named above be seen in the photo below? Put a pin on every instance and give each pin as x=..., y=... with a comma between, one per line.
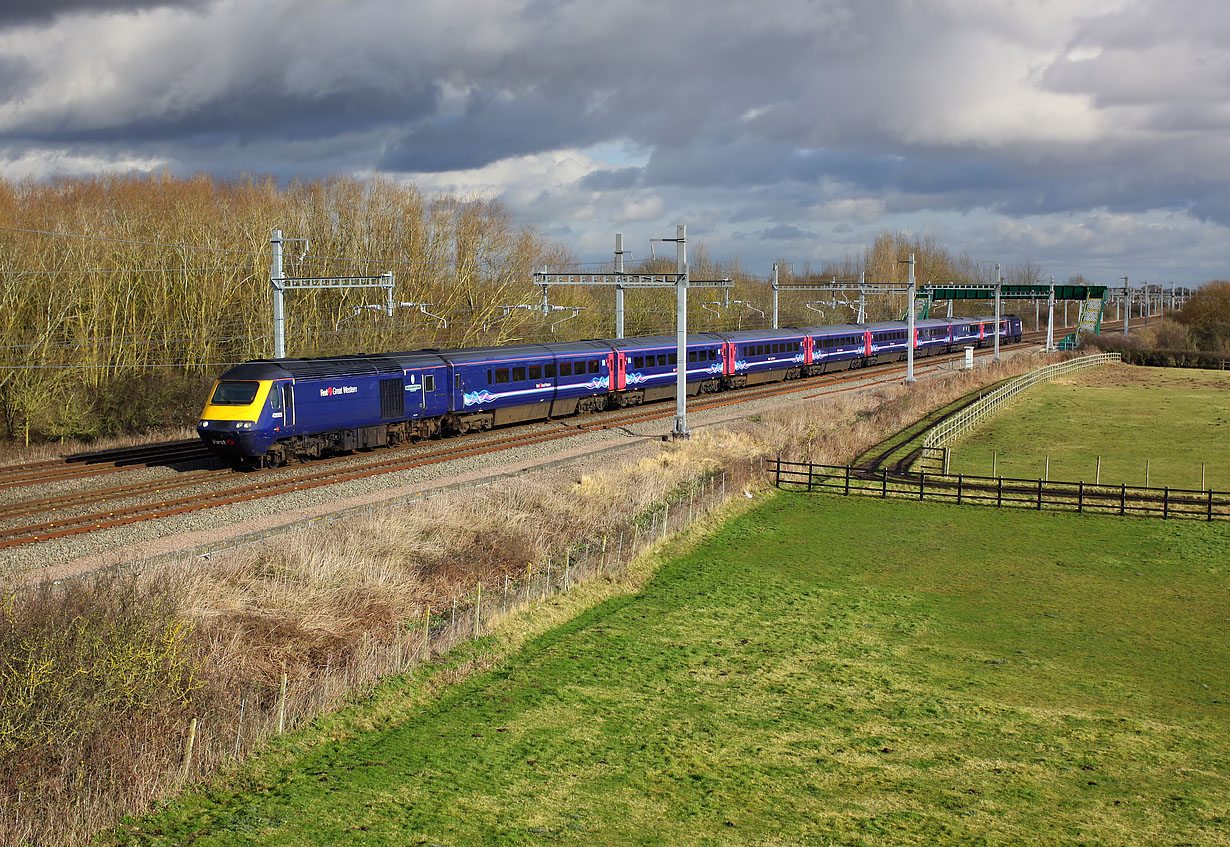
x=270, y=411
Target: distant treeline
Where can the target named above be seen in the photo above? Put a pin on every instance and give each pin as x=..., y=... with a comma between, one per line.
x=124, y=295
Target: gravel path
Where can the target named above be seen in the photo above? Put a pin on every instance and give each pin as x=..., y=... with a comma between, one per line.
x=225, y=526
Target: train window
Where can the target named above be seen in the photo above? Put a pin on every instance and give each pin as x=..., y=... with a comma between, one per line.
x=535, y=371
x=457, y=377
x=501, y=375
x=593, y=367
x=565, y=368
x=518, y=374
x=550, y=371
x=713, y=355
x=638, y=362
x=429, y=384
x=275, y=400
x=234, y=393
x=691, y=357
x=672, y=359
x=489, y=378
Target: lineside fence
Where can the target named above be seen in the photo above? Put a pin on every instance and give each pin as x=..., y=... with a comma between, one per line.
x=1007, y=492
x=969, y=417
x=229, y=731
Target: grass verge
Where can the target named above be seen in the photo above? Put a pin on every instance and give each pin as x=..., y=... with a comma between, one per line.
x=799, y=678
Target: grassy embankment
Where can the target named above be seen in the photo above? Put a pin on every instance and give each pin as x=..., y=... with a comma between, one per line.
x=805, y=676
x=124, y=667
x=1175, y=419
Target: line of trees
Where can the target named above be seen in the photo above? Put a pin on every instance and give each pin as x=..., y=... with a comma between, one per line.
x=121, y=330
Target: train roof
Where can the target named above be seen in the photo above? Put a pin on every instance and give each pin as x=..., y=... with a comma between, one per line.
x=330, y=367
x=767, y=334
x=646, y=342
x=478, y=355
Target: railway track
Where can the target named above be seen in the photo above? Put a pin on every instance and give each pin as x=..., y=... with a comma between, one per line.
x=64, y=522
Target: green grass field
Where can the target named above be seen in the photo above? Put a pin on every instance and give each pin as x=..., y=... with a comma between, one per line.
x=822, y=670
x=1174, y=418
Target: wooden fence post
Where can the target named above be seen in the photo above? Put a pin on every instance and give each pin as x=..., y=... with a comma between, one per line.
x=188, y=748
x=810, y=472
x=999, y=491
x=282, y=705
x=884, y=490
x=1080, y=496
x=1165, y=502
x=1123, y=499
x=777, y=482
x=1039, y=495
x=959, y=489
x=847, y=480
x=1210, y=517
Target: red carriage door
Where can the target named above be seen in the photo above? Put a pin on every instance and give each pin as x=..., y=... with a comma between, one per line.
x=621, y=371
x=867, y=342
x=809, y=345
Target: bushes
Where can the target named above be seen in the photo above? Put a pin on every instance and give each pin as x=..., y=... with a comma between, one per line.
x=81, y=672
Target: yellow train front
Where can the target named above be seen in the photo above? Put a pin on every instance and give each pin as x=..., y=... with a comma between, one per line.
x=245, y=415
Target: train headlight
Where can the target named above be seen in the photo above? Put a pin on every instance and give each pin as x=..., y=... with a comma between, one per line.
x=245, y=425
x=202, y=424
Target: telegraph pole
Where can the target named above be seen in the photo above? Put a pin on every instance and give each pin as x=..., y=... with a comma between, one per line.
x=909, y=334
x=775, y=290
x=1050, y=318
x=275, y=281
x=999, y=284
x=619, y=289
x=681, y=331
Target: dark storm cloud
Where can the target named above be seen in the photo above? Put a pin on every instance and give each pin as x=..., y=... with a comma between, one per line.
x=767, y=116
x=40, y=11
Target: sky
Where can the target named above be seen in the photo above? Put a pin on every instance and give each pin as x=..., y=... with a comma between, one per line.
x=1085, y=136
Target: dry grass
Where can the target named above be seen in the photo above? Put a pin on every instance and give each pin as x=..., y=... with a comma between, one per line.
x=338, y=606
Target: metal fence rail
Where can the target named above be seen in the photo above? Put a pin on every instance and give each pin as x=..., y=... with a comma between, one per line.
x=1008, y=492
x=974, y=414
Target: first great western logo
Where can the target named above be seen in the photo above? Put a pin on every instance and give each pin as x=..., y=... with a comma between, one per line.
x=343, y=389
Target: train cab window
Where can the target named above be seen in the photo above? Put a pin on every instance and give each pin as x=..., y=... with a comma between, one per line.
x=234, y=393
x=429, y=384
x=638, y=361
x=501, y=375
x=550, y=371
x=593, y=367
x=691, y=357
x=535, y=371
x=275, y=400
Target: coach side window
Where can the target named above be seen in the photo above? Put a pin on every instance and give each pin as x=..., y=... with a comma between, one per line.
x=565, y=368
x=429, y=384
x=501, y=375
x=593, y=367
x=638, y=361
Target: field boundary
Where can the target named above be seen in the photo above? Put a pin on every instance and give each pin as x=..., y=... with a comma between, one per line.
x=1005, y=492
x=974, y=414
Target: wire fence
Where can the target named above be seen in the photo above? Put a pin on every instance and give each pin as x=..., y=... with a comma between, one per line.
x=974, y=414
x=1006, y=492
